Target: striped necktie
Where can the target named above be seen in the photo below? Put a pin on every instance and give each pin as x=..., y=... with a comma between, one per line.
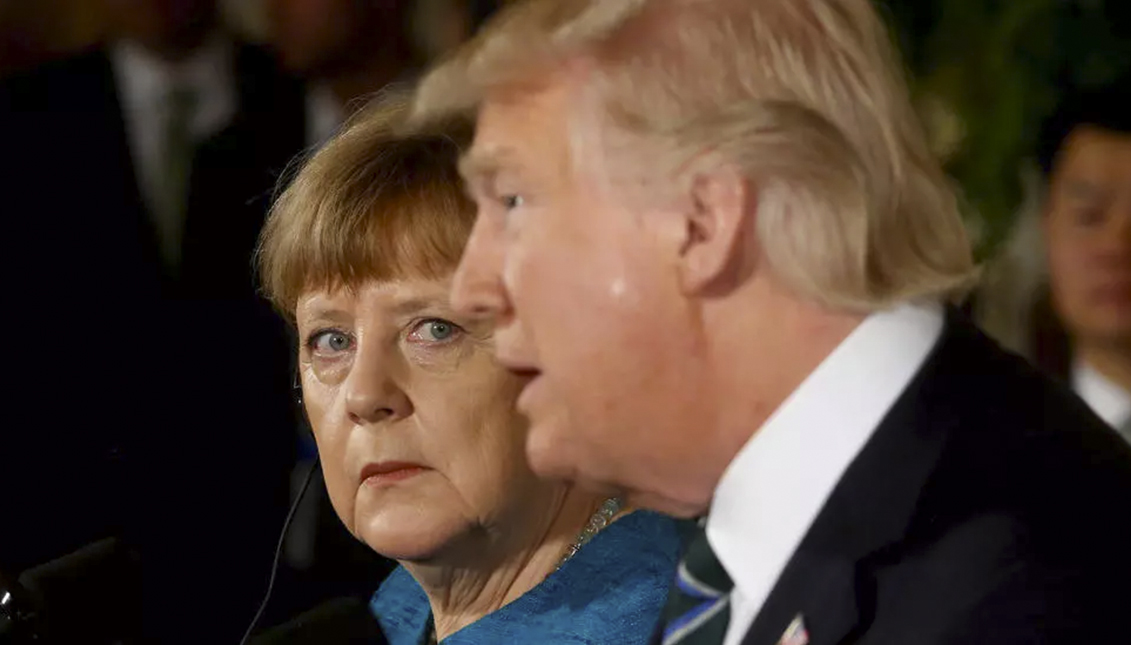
x=698, y=607
x=177, y=154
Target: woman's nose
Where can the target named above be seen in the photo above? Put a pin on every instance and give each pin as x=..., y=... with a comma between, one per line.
x=372, y=394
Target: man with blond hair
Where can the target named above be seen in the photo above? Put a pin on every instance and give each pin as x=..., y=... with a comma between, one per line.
x=712, y=237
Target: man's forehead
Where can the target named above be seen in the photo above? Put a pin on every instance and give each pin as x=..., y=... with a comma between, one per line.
x=506, y=116
x=1089, y=145
x=1094, y=157
x=515, y=128
x=486, y=159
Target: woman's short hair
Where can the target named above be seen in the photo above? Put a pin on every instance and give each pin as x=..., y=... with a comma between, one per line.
x=806, y=97
x=380, y=201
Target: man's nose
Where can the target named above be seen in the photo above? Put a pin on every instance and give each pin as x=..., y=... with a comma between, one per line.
x=477, y=287
x=1116, y=245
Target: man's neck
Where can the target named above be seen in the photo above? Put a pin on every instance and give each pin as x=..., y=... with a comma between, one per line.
x=1112, y=361
x=498, y=569
x=762, y=359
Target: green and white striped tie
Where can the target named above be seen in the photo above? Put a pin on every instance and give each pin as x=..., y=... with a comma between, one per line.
x=698, y=607
x=176, y=167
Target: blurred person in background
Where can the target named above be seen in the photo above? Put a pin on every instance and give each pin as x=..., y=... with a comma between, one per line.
x=136, y=176
x=420, y=443
x=345, y=50
x=1086, y=155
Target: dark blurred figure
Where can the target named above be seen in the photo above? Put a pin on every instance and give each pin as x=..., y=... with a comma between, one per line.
x=345, y=50
x=1083, y=325
x=153, y=400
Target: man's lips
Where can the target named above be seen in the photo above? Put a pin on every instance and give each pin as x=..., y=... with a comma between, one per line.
x=383, y=473
x=529, y=374
x=1118, y=292
x=533, y=381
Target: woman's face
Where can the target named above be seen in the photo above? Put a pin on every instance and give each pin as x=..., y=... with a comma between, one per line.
x=415, y=422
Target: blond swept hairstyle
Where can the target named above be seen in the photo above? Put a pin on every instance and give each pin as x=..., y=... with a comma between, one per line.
x=380, y=201
x=805, y=97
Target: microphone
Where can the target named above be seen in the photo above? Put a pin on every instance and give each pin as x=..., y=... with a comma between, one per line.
x=279, y=549
x=18, y=619
x=83, y=597
x=337, y=622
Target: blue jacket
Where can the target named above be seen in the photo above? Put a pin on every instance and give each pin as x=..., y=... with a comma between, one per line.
x=611, y=592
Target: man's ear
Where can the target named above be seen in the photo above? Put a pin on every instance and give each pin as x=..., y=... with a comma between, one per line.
x=718, y=246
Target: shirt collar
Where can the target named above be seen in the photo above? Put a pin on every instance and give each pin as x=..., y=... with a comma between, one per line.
x=146, y=80
x=324, y=115
x=1109, y=401
x=778, y=482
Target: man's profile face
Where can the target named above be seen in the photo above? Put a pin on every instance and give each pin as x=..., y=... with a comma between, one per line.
x=1088, y=231
x=584, y=296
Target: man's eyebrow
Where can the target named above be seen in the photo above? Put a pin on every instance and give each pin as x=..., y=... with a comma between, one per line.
x=479, y=164
x=1082, y=189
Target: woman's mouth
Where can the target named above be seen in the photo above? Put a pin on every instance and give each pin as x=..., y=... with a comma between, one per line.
x=387, y=473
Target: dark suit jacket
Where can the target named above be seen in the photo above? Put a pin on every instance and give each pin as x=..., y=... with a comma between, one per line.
x=1048, y=340
x=138, y=404
x=990, y=506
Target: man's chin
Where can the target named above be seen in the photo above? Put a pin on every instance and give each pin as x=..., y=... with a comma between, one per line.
x=550, y=465
x=549, y=450
x=1111, y=334
x=660, y=504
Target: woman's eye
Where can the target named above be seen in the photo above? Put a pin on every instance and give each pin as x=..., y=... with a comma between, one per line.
x=511, y=202
x=435, y=331
x=329, y=342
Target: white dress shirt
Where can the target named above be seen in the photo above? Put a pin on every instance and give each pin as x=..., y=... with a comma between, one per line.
x=144, y=84
x=774, y=488
x=324, y=115
x=1109, y=401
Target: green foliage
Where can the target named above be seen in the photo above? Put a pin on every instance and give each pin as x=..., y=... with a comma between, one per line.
x=986, y=73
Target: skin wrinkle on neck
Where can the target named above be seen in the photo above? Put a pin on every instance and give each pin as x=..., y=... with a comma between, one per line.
x=460, y=595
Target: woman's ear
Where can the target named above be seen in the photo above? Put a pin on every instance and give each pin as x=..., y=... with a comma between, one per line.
x=301, y=414
x=718, y=245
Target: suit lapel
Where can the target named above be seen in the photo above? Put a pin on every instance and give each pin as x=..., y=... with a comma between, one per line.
x=118, y=156
x=818, y=588
x=829, y=581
